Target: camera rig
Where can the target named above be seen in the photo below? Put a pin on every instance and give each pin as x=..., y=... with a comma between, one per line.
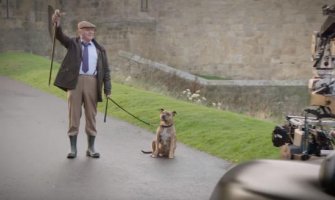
x=314, y=133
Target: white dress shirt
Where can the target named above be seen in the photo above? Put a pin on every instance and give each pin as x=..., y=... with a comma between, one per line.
x=92, y=60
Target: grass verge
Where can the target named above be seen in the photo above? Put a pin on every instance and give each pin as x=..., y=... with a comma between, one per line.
x=230, y=136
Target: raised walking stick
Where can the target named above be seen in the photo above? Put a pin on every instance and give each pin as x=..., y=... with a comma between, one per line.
x=53, y=52
x=52, y=31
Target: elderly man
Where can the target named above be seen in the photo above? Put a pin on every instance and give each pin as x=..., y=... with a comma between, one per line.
x=83, y=73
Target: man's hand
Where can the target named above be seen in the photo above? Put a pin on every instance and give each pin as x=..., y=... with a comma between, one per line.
x=56, y=17
x=108, y=96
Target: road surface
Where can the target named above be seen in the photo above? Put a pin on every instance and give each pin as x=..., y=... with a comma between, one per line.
x=34, y=145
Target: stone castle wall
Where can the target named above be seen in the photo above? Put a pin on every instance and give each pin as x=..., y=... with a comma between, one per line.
x=238, y=39
x=234, y=39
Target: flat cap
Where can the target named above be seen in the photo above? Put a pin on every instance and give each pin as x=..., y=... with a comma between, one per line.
x=85, y=24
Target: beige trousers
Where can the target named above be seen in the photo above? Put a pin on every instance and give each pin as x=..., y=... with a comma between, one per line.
x=84, y=95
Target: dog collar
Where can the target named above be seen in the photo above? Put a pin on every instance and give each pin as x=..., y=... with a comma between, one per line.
x=164, y=126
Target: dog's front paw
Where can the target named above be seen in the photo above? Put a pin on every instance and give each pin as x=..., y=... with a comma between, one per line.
x=153, y=156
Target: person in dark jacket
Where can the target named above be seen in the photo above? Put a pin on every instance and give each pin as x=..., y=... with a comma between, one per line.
x=82, y=74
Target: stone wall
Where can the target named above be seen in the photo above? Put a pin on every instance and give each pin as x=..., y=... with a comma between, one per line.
x=24, y=26
x=238, y=39
x=121, y=25
x=266, y=99
x=234, y=39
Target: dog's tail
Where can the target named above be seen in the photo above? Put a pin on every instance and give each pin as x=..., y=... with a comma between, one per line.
x=146, y=152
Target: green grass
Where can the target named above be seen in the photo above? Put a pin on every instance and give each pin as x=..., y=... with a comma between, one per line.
x=212, y=77
x=230, y=136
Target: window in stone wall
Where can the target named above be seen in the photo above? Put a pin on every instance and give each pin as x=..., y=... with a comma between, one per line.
x=6, y=11
x=144, y=6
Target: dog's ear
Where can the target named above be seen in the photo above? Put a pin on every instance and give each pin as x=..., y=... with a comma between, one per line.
x=162, y=109
x=174, y=113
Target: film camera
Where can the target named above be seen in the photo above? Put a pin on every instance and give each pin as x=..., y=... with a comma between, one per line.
x=305, y=136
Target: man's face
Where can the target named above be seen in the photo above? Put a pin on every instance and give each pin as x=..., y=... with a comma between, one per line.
x=87, y=34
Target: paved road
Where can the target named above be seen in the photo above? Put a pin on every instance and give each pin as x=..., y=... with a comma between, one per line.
x=34, y=145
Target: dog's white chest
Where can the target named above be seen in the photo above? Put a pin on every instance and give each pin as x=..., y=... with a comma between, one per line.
x=165, y=136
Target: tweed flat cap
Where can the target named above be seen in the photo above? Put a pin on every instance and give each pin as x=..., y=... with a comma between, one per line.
x=85, y=24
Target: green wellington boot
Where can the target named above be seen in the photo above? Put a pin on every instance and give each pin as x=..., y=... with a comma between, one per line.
x=90, y=151
x=73, y=143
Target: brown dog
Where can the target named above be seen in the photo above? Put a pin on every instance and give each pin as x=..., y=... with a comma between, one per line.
x=164, y=143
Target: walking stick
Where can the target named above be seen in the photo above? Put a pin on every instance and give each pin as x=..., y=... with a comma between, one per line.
x=53, y=51
x=106, y=110
x=52, y=32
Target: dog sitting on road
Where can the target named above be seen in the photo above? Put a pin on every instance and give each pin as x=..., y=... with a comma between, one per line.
x=164, y=142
